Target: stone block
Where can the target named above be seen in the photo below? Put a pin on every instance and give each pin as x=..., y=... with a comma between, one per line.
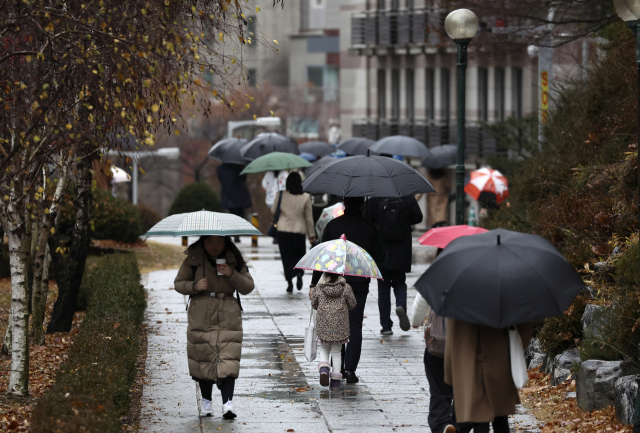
x=626, y=390
x=593, y=321
x=534, y=354
x=562, y=365
x=595, y=385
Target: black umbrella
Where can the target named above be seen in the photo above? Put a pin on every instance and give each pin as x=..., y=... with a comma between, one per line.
x=441, y=156
x=318, y=163
x=500, y=278
x=227, y=151
x=401, y=145
x=317, y=148
x=356, y=146
x=266, y=143
x=367, y=176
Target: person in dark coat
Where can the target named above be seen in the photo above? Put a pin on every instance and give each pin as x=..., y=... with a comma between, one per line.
x=364, y=234
x=234, y=194
x=396, y=264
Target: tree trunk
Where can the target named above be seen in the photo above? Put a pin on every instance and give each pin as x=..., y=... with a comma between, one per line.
x=70, y=277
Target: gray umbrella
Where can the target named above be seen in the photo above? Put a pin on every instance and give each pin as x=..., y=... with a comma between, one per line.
x=356, y=146
x=500, y=278
x=266, y=143
x=227, y=151
x=401, y=145
x=441, y=156
x=367, y=176
x=317, y=148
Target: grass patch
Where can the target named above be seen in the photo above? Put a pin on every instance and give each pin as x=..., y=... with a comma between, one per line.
x=159, y=256
x=91, y=392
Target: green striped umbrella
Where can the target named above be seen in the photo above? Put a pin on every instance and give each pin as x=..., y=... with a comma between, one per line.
x=203, y=222
x=276, y=161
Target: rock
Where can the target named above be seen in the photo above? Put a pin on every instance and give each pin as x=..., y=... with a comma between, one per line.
x=626, y=389
x=593, y=321
x=562, y=364
x=534, y=354
x=595, y=385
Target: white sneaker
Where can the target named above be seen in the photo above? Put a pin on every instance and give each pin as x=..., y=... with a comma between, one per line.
x=227, y=410
x=206, y=407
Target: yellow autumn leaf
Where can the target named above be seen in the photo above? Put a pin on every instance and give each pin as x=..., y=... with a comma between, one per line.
x=177, y=132
x=257, y=8
x=276, y=42
x=221, y=37
x=272, y=113
x=255, y=117
x=68, y=126
x=233, y=61
x=53, y=230
x=155, y=108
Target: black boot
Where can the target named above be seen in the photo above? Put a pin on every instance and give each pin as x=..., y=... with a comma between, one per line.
x=289, y=286
x=351, y=376
x=299, y=282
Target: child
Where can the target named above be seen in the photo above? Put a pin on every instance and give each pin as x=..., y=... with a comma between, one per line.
x=332, y=297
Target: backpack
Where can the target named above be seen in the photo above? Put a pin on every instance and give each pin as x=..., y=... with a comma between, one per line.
x=435, y=334
x=392, y=220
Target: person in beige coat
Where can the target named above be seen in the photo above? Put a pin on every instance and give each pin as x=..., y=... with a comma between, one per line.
x=438, y=202
x=294, y=224
x=214, y=331
x=478, y=366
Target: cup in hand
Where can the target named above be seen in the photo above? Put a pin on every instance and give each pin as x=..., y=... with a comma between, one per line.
x=218, y=263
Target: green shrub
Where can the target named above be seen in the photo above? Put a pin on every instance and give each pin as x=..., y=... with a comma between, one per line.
x=112, y=218
x=194, y=197
x=149, y=217
x=91, y=391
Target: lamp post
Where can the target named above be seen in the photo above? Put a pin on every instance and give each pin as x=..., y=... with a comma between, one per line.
x=629, y=11
x=461, y=25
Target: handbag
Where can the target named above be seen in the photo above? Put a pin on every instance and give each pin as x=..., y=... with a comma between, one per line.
x=273, y=230
x=518, y=363
x=310, y=340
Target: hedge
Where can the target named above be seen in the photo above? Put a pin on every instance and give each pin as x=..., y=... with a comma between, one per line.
x=91, y=391
x=195, y=197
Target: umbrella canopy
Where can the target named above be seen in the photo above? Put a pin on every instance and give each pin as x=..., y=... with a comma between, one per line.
x=203, y=222
x=227, y=151
x=328, y=213
x=319, y=163
x=401, y=145
x=356, y=146
x=119, y=175
x=317, y=148
x=440, y=237
x=441, y=156
x=340, y=257
x=265, y=143
x=309, y=157
x=488, y=180
x=367, y=176
x=276, y=161
x=500, y=278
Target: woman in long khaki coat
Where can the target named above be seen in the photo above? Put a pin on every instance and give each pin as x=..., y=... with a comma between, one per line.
x=478, y=366
x=214, y=332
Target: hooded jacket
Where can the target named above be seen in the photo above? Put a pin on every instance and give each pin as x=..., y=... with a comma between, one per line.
x=333, y=302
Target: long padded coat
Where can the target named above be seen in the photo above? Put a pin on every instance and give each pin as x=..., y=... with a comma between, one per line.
x=214, y=333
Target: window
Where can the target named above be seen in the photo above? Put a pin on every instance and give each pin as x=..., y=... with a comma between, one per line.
x=208, y=77
x=323, y=81
x=445, y=93
x=395, y=5
x=517, y=92
x=483, y=94
x=499, y=79
x=252, y=76
x=382, y=94
x=251, y=36
x=331, y=83
x=395, y=93
x=430, y=86
x=410, y=88
x=315, y=76
x=411, y=4
x=382, y=4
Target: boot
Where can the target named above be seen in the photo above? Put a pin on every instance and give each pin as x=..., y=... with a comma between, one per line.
x=336, y=380
x=289, y=286
x=324, y=369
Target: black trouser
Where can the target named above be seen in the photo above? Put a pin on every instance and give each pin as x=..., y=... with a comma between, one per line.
x=351, y=353
x=226, y=387
x=397, y=280
x=292, y=248
x=441, y=399
x=500, y=425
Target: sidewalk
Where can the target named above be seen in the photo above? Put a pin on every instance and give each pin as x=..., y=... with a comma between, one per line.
x=278, y=390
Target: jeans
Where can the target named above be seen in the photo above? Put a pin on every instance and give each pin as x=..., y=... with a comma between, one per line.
x=226, y=387
x=441, y=399
x=356, y=317
x=397, y=280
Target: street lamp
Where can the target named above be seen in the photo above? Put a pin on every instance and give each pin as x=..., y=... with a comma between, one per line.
x=461, y=25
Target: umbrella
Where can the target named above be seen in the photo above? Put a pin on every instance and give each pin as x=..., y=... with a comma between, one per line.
x=487, y=180
x=441, y=156
x=441, y=236
x=356, y=146
x=500, y=278
x=268, y=142
x=401, y=145
x=308, y=156
x=119, y=175
x=340, y=257
x=319, y=163
x=328, y=213
x=227, y=151
x=317, y=148
x=367, y=176
x=276, y=161
x=203, y=223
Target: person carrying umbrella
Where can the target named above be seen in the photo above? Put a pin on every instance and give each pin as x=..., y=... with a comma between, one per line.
x=234, y=194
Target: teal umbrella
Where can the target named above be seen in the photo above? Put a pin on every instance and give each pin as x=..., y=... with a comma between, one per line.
x=203, y=222
x=276, y=161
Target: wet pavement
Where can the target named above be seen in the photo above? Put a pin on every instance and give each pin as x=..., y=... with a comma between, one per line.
x=278, y=390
